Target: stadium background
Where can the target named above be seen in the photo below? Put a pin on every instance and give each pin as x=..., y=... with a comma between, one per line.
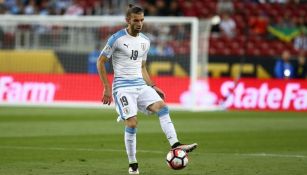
x=261, y=128
x=246, y=40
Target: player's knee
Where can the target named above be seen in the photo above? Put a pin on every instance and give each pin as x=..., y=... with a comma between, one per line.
x=161, y=106
x=131, y=122
x=156, y=107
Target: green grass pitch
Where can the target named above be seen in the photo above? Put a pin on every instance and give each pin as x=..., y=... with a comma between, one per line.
x=58, y=141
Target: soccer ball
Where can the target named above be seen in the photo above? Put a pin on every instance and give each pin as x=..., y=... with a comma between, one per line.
x=177, y=159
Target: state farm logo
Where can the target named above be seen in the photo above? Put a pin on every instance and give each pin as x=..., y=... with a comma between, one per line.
x=263, y=97
x=14, y=91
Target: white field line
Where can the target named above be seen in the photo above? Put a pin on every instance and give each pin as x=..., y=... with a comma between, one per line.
x=147, y=151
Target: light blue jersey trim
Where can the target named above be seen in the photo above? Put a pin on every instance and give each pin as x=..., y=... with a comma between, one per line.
x=115, y=36
x=114, y=89
x=163, y=111
x=144, y=36
x=120, y=82
x=130, y=130
x=127, y=83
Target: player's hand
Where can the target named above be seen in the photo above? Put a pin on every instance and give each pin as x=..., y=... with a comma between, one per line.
x=160, y=92
x=107, y=95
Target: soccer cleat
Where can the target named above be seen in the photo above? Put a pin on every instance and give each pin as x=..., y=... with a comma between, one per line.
x=133, y=168
x=185, y=147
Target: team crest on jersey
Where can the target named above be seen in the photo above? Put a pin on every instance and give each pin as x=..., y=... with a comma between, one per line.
x=126, y=110
x=143, y=46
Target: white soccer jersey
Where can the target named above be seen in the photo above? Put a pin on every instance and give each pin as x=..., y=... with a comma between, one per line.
x=127, y=54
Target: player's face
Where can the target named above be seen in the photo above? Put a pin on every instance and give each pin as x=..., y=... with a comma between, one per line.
x=136, y=22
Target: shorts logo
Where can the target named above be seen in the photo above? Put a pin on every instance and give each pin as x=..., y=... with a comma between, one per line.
x=126, y=110
x=143, y=46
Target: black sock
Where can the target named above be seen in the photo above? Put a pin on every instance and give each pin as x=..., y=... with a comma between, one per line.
x=134, y=166
x=176, y=144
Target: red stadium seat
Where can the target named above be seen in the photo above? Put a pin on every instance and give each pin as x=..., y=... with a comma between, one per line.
x=255, y=44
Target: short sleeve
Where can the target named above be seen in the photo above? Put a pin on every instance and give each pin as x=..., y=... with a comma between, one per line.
x=108, y=50
x=146, y=53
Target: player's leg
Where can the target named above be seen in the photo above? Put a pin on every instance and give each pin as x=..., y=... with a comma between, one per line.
x=130, y=143
x=165, y=121
x=151, y=101
x=168, y=127
x=127, y=109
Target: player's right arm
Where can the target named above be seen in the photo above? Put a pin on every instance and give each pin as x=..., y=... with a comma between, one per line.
x=107, y=94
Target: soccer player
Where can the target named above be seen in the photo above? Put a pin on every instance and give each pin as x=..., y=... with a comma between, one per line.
x=133, y=90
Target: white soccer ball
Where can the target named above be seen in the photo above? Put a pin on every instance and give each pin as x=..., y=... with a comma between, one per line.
x=177, y=159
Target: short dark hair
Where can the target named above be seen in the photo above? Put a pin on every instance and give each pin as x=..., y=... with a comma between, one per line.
x=134, y=9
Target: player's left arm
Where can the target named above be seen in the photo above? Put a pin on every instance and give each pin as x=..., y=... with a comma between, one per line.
x=149, y=82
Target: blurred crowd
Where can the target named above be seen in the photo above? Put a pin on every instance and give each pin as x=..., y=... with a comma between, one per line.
x=63, y=7
x=87, y=7
x=232, y=20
